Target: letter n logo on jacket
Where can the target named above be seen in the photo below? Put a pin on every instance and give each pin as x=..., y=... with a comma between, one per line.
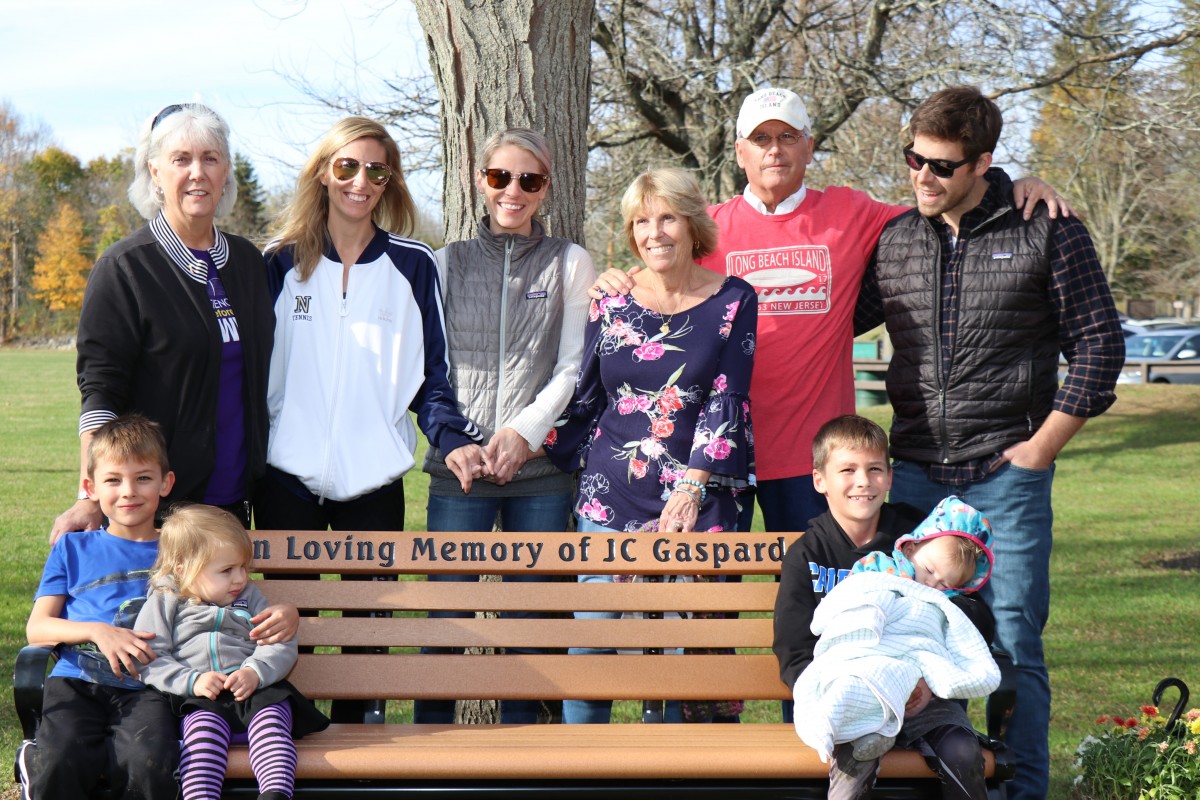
x=302, y=303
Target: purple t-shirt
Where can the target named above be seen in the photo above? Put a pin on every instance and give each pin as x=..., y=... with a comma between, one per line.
x=227, y=482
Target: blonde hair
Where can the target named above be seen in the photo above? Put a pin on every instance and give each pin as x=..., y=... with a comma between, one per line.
x=681, y=193
x=186, y=122
x=851, y=432
x=191, y=537
x=528, y=140
x=303, y=223
x=131, y=437
x=966, y=555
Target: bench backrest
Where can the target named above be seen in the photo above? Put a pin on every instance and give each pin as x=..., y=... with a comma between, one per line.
x=751, y=673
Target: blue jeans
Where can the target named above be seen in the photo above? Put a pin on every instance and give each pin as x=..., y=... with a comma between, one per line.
x=533, y=513
x=1016, y=502
x=599, y=712
x=787, y=505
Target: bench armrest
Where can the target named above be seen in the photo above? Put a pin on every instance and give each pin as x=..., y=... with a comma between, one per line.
x=29, y=679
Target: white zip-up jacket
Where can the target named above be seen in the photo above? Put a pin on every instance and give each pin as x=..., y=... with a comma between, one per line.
x=346, y=369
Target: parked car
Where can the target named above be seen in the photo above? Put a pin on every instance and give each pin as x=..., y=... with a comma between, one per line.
x=1132, y=327
x=1160, y=347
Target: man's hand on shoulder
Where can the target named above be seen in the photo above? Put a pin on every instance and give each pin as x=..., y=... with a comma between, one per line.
x=83, y=516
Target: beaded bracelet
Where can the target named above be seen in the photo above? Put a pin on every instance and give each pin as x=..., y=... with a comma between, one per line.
x=690, y=482
x=689, y=496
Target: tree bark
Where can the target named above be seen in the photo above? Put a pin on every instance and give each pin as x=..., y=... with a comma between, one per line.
x=502, y=64
x=511, y=63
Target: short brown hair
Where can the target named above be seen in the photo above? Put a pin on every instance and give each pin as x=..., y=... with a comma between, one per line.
x=959, y=114
x=681, y=193
x=131, y=437
x=191, y=536
x=851, y=432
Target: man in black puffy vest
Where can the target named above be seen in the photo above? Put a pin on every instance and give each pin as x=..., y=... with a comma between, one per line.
x=979, y=303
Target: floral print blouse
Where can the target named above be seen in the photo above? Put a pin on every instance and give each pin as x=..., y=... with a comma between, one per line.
x=656, y=395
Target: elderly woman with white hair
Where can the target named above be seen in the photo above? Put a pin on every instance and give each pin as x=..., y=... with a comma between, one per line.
x=177, y=322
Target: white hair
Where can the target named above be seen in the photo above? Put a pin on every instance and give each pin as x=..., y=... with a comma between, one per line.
x=188, y=122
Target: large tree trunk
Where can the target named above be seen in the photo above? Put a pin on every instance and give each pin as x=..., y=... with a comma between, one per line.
x=511, y=63
x=503, y=64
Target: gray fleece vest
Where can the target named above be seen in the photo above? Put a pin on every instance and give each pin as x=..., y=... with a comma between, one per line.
x=504, y=314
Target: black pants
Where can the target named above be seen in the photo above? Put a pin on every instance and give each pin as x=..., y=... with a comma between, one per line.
x=956, y=757
x=282, y=503
x=92, y=734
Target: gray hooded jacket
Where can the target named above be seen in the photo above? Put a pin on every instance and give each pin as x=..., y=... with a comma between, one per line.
x=192, y=638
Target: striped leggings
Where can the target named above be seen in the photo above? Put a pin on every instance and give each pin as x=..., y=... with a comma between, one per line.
x=206, y=740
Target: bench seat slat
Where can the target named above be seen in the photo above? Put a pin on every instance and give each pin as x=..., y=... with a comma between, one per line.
x=549, y=752
x=541, y=677
x=419, y=595
x=539, y=633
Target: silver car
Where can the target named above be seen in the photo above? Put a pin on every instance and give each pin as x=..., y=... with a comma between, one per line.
x=1159, y=348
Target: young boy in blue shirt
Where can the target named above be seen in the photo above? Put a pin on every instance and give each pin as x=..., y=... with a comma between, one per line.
x=98, y=726
x=851, y=468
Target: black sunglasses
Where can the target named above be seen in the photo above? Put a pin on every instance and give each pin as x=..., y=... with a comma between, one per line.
x=345, y=169
x=531, y=182
x=166, y=112
x=940, y=167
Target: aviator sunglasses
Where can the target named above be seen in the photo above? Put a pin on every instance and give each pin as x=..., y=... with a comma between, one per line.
x=345, y=169
x=531, y=182
x=940, y=167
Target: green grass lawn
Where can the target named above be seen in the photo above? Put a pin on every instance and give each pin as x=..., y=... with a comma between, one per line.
x=1125, y=496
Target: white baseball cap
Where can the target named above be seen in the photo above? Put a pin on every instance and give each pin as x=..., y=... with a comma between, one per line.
x=767, y=104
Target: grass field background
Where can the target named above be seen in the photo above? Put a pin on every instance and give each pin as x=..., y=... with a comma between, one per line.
x=1125, y=501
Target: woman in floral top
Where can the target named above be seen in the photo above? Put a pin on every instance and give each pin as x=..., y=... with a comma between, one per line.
x=661, y=399
x=660, y=420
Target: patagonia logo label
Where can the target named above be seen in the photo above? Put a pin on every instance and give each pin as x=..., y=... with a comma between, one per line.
x=535, y=295
x=1001, y=256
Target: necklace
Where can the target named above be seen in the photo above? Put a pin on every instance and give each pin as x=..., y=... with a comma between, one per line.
x=666, y=326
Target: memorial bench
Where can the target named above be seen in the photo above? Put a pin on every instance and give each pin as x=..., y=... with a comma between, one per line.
x=748, y=760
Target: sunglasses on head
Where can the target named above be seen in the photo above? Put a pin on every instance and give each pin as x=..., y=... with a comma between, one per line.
x=531, y=182
x=166, y=112
x=940, y=167
x=345, y=169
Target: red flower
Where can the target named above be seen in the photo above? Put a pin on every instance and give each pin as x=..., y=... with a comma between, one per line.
x=1131, y=723
x=1150, y=711
x=1103, y=718
x=662, y=428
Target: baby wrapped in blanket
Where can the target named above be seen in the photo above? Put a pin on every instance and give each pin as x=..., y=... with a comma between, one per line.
x=891, y=623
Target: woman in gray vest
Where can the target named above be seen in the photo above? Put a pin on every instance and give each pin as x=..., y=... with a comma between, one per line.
x=516, y=303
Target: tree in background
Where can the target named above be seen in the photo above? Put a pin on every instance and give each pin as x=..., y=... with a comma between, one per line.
x=670, y=75
x=249, y=216
x=105, y=207
x=1118, y=140
x=60, y=271
x=18, y=143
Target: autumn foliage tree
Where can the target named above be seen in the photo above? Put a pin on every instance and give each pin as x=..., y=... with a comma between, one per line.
x=60, y=272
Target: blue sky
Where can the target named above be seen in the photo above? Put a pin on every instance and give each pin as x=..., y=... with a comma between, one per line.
x=93, y=71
